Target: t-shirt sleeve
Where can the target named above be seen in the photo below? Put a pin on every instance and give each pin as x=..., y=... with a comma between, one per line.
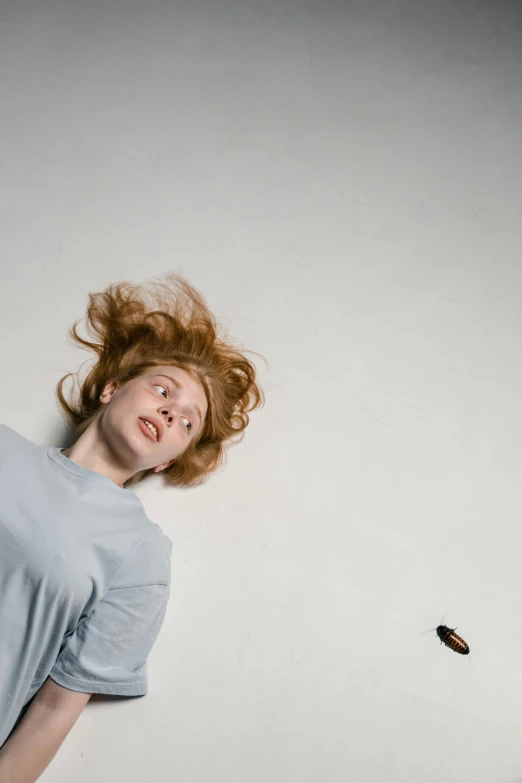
x=108, y=650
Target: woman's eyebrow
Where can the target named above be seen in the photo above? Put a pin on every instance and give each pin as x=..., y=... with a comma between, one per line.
x=180, y=386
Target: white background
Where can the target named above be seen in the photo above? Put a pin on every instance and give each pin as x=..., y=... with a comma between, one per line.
x=342, y=182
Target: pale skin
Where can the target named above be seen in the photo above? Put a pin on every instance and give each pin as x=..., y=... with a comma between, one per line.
x=117, y=446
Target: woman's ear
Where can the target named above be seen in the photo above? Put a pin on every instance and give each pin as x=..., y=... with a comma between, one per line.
x=108, y=391
x=159, y=468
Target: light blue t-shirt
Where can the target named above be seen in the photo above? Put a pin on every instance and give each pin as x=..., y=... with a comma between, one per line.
x=84, y=579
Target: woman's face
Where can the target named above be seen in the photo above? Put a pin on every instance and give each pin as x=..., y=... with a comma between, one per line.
x=170, y=400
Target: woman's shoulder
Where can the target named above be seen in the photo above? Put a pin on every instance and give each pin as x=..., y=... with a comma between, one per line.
x=8, y=433
x=150, y=560
x=13, y=444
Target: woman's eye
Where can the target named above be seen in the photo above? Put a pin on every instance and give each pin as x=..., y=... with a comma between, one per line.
x=159, y=386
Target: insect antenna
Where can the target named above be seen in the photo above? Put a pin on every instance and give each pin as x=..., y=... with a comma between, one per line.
x=434, y=629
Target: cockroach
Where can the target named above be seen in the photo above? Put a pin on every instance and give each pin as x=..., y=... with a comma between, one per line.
x=452, y=640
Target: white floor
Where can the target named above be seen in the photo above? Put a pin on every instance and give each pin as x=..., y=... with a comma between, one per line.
x=343, y=182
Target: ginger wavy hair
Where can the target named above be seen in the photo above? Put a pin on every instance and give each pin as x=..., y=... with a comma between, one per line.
x=166, y=321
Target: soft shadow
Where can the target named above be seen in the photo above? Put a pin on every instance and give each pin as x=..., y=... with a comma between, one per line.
x=98, y=698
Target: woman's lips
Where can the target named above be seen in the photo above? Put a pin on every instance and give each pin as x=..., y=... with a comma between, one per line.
x=146, y=430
